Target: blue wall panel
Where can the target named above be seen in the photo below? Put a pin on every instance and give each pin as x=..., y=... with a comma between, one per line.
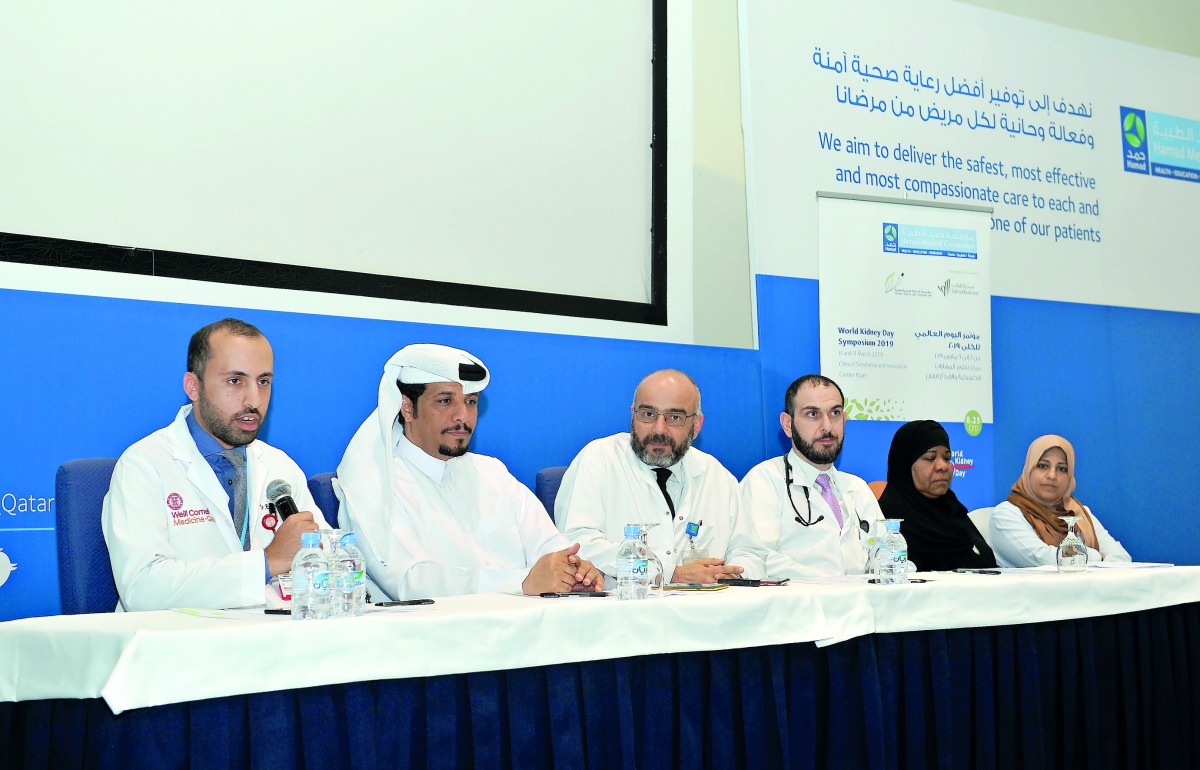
x=88, y=376
x=1116, y=383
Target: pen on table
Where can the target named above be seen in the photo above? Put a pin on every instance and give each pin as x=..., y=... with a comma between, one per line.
x=273, y=611
x=404, y=603
x=965, y=571
x=573, y=594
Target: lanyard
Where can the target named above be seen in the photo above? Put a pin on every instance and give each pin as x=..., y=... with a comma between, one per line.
x=245, y=535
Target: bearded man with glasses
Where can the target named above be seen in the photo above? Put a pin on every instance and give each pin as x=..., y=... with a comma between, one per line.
x=653, y=476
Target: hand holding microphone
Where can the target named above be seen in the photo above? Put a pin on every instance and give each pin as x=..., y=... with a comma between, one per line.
x=295, y=522
x=279, y=493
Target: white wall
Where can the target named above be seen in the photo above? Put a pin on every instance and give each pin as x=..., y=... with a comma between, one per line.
x=722, y=263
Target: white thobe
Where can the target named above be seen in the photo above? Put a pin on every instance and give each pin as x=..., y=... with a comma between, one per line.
x=458, y=526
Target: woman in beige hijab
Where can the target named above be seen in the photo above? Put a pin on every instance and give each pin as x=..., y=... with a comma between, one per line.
x=1025, y=529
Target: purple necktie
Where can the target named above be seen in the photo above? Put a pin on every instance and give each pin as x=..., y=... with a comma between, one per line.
x=827, y=493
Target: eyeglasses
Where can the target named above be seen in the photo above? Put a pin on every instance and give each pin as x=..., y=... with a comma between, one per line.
x=673, y=419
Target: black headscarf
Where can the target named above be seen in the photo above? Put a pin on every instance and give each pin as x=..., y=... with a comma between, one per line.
x=939, y=534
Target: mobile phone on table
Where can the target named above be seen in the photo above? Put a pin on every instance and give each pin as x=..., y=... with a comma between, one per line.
x=752, y=582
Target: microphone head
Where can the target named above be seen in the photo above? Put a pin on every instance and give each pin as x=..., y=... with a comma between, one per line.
x=277, y=489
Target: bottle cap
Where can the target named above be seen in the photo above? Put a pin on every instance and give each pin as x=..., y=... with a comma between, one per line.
x=310, y=539
x=348, y=538
x=632, y=531
x=893, y=525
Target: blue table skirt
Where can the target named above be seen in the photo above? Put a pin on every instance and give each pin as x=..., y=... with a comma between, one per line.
x=1120, y=691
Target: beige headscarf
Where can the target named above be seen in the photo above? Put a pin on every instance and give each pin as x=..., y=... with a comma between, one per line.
x=1041, y=516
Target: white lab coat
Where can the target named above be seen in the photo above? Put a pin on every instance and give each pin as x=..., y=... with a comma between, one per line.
x=607, y=487
x=170, y=537
x=1015, y=544
x=789, y=549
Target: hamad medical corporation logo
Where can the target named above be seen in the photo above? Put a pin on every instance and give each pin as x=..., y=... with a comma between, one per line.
x=1134, y=127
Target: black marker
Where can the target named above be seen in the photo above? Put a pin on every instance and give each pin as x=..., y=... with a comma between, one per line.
x=965, y=571
x=404, y=603
x=272, y=611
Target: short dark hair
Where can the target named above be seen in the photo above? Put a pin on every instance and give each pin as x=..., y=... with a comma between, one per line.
x=789, y=398
x=199, y=349
x=411, y=391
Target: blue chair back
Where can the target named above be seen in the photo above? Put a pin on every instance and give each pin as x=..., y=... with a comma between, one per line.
x=85, y=578
x=321, y=488
x=546, y=486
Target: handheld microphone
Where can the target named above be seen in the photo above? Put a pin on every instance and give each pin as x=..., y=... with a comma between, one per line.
x=279, y=493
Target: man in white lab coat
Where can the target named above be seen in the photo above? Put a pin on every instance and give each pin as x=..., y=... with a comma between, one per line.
x=186, y=517
x=652, y=475
x=434, y=519
x=810, y=518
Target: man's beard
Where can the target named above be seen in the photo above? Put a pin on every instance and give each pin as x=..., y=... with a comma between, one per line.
x=225, y=432
x=812, y=454
x=457, y=451
x=659, y=461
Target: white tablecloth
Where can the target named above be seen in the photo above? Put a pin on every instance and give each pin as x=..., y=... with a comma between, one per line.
x=134, y=660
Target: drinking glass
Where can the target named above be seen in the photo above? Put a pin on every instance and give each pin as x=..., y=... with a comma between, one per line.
x=329, y=541
x=1072, y=554
x=660, y=577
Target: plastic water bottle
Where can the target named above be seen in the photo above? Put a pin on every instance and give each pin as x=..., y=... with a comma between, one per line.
x=310, y=580
x=633, y=569
x=350, y=597
x=891, y=560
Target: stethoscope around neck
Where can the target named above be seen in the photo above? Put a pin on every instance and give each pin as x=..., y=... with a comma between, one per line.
x=806, y=521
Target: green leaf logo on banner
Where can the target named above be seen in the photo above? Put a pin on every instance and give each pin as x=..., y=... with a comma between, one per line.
x=1135, y=130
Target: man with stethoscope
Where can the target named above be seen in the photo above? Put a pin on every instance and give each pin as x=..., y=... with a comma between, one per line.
x=810, y=519
x=186, y=516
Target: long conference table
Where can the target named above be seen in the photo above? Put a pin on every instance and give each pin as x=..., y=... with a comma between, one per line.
x=1024, y=669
